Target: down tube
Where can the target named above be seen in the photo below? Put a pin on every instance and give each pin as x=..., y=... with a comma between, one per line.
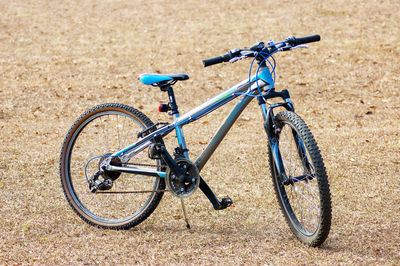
x=222, y=131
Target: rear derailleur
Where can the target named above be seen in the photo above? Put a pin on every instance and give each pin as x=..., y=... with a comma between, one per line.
x=96, y=184
x=108, y=177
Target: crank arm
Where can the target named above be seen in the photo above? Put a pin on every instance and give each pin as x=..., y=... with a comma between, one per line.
x=218, y=205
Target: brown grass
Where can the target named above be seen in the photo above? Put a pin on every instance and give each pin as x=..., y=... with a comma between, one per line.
x=58, y=58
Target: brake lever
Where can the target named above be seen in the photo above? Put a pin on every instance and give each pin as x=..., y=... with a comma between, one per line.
x=243, y=54
x=233, y=60
x=288, y=48
x=301, y=46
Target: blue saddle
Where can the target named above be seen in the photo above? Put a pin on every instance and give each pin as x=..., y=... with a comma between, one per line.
x=150, y=79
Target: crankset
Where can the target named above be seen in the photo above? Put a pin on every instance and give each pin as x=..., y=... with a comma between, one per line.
x=185, y=184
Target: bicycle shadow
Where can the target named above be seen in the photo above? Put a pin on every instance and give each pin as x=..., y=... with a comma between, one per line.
x=217, y=235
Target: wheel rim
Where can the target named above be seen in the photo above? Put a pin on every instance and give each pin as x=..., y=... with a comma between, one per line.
x=104, y=133
x=302, y=194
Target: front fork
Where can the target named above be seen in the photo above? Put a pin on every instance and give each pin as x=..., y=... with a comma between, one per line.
x=272, y=129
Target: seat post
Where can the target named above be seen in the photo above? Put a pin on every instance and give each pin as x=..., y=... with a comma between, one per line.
x=171, y=96
x=175, y=114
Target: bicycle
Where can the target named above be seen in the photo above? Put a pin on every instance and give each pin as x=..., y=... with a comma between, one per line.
x=113, y=181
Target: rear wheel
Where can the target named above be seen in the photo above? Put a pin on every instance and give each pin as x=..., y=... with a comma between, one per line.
x=96, y=134
x=303, y=193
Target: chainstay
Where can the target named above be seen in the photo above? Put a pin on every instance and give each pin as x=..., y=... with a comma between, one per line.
x=135, y=192
x=132, y=192
x=142, y=164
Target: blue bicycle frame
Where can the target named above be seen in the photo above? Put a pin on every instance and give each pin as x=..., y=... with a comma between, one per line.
x=248, y=89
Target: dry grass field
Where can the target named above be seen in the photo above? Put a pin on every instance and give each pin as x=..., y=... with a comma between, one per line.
x=59, y=58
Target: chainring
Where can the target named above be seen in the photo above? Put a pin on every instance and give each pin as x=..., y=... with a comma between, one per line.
x=191, y=179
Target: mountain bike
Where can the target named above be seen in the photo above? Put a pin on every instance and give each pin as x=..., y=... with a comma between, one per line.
x=115, y=167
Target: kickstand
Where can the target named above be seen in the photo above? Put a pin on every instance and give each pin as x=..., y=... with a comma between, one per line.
x=185, y=215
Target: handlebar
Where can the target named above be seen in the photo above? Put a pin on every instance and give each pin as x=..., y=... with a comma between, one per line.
x=297, y=41
x=236, y=54
x=216, y=60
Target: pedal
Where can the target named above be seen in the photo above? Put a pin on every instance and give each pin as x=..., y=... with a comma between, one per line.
x=225, y=203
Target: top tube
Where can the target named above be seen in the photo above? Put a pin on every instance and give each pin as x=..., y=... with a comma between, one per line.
x=226, y=96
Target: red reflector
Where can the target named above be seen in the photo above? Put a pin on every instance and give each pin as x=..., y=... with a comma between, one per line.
x=163, y=107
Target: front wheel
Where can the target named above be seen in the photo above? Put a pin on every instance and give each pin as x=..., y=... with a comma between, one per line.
x=302, y=188
x=98, y=133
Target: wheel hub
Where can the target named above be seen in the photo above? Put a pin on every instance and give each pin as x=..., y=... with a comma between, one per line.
x=110, y=174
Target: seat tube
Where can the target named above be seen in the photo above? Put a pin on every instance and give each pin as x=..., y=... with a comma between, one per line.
x=175, y=115
x=180, y=136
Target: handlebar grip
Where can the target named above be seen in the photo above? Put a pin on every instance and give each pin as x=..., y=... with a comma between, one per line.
x=297, y=41
x=216, y=60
